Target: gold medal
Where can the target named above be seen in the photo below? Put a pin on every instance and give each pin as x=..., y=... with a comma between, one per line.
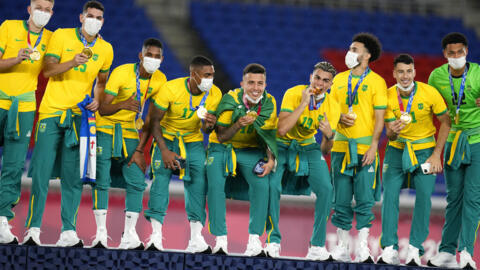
x=35, y=55
x=352, y=114
x=88, y=52
x=406, y=118
x=252, y=114
x=139, y=124
x=202, y=112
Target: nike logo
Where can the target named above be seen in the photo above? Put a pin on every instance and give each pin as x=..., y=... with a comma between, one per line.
x=127, y=88
x=18, y=39
x=177, y=103
x=341, y=86
x=69, y=50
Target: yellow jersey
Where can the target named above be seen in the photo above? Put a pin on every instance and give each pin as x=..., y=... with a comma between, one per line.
x=122, y=84
x=65, y=90
x=371, y=96
x=308, y=122
x=23, y=77
x=174, y=98
x=426, y=102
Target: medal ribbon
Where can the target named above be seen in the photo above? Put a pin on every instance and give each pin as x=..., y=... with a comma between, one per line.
x=410, y=100
x=351, y=96
x=139, y=93
x=202, y=102
x=38, y=39
x=84, y=41
x=460, y=91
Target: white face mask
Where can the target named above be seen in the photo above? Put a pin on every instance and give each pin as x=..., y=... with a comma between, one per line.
x=405, y=89
x=151, y=64
x=40, y=18
x=92, y=26
x=205, y=84
x=351, y=59
x=252, y=100
x=457, y=63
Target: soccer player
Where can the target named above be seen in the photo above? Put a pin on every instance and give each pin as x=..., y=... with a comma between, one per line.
x=361, y=94
x=458, y=83
x=127, y=90
x=305, y=109
x=74, y=59
x=22, y=48
x=244, y=137
x=412, y=158
x=181, y=108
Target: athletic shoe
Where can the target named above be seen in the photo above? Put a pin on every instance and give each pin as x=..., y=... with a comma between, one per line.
x=316, y=253
x=6, y=236
x=363, y=251
x=254, y=246
x=466, y=261
x=444, y=260
x=32, y=237
x=272, y=250
x=69, y=239
x=221, y=245
x=341, y=251
x=413, y=256
x=389, y=256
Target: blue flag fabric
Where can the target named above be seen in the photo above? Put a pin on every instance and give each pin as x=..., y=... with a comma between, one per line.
x=88, y=142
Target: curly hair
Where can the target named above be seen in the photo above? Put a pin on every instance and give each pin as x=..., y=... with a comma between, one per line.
x=325, y=66
x=370, y=42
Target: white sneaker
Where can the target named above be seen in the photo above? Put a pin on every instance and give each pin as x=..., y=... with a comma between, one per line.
x=221, y=245
x=341, y=251
x=466, y=261
x=101, y=239
x=130, y=240
x=389, y=256
x=197, y=243
x=413, y=256
x=444, y=260
x=155, y=242
x=362, y=254
x=69, y=239
x=6, y=236
x=272, y=250
x=316, y=253
x=32, y=237
x=254, y=246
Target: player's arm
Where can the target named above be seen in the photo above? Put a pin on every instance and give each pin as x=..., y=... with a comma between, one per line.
x=53, y=67
x=138, y=156
x=99, y=88
x=208, y=124
x=226, y=133
x=168, y=157
x=394, y=128
x=287, y=120
x=107, y=108
x=435, y=159
x=7, y=63
x=268, y=167
x=369, y=156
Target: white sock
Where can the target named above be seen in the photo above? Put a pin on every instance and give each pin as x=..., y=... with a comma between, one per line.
x=130, y=221
x=156, y=226
x=100, y=219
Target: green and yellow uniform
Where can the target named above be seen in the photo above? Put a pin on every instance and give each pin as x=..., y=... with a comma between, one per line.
x=117, y=139
x=182, y=134
x=241, y=152
x=462, y=159
x=56, y=138
x=300, y=158
x=401, y=166
x=350, y=178
x=17, y=107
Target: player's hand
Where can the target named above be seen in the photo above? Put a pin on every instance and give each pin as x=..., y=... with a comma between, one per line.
x=168, y=158
x=347, y=119
x=369, y=156
x=267, y=168
x=324, y=126
x=131, y=104
x=397, y=126
x=306, y=96
x=23, y=54
x=245, y=120
x=79, y=59
x=436, y=162
x=210, y=120
x=477, y=101
x=139, y=159
x=92, y=106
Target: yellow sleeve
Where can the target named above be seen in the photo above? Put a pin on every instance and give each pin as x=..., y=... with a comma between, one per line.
x=439, y=106
x=271, y=123
x=389, y=115
x=108, y=59
x=114, y=82
x=55, y=45
x=332, y=109
x=3, y=36
x=213, y=101
x=161, y=99
x=289, y=102
x=380, y=95
x=225, y=119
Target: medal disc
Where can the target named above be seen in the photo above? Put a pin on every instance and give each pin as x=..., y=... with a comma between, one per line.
x=252, y=114
x=352, y=114
x=88, y=52
x=202, y=112
x=35, y=55
x=406, y=118
x=139, y=124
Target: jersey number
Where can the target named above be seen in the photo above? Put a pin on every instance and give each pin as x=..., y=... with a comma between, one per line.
x=455, y=99
x=184, y=115
x=307, y=122
x=81, y=68
x=355, y=101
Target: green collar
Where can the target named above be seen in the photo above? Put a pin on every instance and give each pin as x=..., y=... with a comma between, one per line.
x=188, y=90
x=26, y=28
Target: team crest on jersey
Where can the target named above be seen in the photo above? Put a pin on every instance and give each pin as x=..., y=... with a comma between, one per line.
x=42, y=127
x=150, y=89
x=320, y=117
x=420, y=106
x=156, y=164
x=43, y=47
x=364, y=87
x=95, y=57
x=99, y=150
x=210, y=160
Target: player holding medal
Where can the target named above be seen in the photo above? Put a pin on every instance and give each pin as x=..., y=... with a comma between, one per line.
x=458, y=83
x=129, y=86
x=19, y=69
x=361, y=94
x=412, y=158
x=71, y=80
